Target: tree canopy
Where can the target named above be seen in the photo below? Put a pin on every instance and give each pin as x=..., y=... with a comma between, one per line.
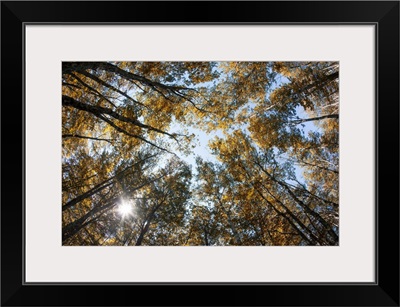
x=272, y=179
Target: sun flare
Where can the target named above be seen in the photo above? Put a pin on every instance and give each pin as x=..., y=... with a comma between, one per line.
x=125, y=209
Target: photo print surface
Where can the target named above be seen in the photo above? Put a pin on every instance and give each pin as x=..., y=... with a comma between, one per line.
x=200, y=153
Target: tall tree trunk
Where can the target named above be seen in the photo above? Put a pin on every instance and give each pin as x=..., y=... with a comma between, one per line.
x=146, y=226
x=307, y=209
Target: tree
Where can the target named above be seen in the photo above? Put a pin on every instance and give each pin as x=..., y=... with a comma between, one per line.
x=299, y=212
x=257, y=171
x=113, y=117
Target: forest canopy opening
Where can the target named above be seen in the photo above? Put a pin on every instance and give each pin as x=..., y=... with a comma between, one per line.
x=200, y=153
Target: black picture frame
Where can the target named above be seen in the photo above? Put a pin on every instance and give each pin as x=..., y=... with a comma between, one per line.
x=383, y=14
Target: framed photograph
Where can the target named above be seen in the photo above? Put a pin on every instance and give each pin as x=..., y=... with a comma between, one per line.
x=236, y=153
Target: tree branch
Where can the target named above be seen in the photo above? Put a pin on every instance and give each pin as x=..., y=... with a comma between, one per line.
x=99, y=111
x=64, y=136
x=304, y=120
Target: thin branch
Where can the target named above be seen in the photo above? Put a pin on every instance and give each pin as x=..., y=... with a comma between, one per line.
x=71, y=85
x=105, y=84
x=304, y=120
x=64, y=136
x=91, y=88
x=119, y=129
x=99, y=111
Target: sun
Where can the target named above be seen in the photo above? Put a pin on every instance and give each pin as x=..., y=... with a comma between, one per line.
x=125, y=209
